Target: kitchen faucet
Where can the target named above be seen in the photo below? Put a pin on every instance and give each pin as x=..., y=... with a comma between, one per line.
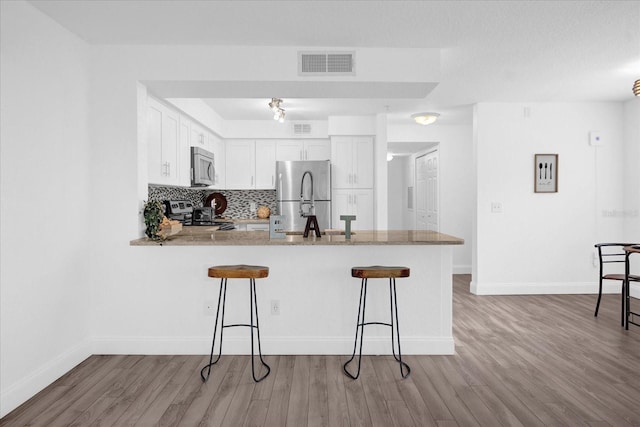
x=302, y=201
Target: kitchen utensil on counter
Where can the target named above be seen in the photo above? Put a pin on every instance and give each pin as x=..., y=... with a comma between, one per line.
x=217, y=201
x=179, y=210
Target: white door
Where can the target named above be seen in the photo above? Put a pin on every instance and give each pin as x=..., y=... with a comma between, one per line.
x=427, y=192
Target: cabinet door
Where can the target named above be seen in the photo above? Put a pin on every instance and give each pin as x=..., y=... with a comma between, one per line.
x=163, y=142
x=240, y=165
x=341, y=162
x=218, y=149
x=289, y=149
x=340, y=205
x=198, y=136
x=184, y=152
x=154, y=143
x=317, y=150
x=363, y=209
x=362, y=162
x=265, y=164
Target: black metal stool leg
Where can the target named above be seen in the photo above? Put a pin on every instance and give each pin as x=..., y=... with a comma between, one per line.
x=359, y=324
x=393, y=300
x=253, y=304
x=222, y=296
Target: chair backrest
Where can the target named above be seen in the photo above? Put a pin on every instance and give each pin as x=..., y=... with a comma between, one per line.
x=611, y=253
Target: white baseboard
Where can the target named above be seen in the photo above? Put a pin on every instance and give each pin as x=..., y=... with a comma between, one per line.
x=543, y=288
x=41, y=376
x=270, y=345
x=461, y=269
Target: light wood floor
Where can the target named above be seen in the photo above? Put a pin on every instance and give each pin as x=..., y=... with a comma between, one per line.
x=521, y=360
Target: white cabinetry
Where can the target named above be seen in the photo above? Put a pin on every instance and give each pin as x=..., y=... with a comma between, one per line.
x=352, y=181
x=217, y=147
x=265, y=164
x=297, y=149
x=163, y=143
x=358, y=202
x=250, y=164
x=352, y=161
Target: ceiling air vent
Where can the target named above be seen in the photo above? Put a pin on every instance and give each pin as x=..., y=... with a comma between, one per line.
x=301, y=128
x=326, y=63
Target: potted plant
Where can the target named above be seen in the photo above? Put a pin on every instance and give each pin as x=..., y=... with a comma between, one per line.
x=153, y=215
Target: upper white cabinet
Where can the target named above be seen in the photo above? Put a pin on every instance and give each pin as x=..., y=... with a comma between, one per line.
x=163, y=129
x=250, y=164
x=352, y=161
x=217, y=147
x=297, y=149
x=265, y=164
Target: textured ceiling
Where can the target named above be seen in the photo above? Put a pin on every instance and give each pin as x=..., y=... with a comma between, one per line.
x=500, y=51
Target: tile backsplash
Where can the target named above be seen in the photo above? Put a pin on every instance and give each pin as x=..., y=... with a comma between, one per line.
x=237, y=200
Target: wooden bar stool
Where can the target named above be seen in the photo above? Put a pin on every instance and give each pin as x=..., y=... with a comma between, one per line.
x=378, y=272
x=224, y=272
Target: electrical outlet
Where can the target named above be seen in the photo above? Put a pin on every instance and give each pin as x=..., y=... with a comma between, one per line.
x=496, y=207
x=252, y=206
x=275, y=307
x=209, y=308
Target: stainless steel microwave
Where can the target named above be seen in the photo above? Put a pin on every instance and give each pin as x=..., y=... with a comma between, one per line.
x=203, y=170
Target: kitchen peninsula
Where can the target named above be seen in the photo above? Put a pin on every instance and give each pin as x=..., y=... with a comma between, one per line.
x=310, y=280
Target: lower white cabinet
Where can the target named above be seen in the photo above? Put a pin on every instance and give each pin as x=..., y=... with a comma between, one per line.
x=352, y=202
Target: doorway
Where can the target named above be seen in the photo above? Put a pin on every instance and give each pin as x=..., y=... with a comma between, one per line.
x=427, y=191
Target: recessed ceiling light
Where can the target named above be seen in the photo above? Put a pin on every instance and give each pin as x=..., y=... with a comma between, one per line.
x=425, y=118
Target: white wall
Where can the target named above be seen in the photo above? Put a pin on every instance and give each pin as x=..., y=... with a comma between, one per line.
x=397, y=192
x=455, y=180
x=46, y=225
x=543, y=243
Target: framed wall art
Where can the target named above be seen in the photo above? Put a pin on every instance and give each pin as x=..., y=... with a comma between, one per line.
x=545, y=169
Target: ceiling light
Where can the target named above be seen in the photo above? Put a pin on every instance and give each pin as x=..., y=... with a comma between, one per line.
x=425, y=118
x=636, y=88
x=278, y=112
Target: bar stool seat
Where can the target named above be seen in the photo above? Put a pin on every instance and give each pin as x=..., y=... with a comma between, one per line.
x=241, y=271
x=378, y=272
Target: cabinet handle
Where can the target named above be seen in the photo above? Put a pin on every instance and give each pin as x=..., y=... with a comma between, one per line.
x=306, y=155
x=168, y=169
x=301, y=158
x=252, y=180
x=272, y=178
x=355, y=178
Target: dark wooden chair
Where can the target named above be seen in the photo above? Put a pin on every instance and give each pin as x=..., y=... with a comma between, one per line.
x=612, y=253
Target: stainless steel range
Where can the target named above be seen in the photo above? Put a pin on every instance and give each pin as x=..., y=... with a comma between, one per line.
x=180, y=210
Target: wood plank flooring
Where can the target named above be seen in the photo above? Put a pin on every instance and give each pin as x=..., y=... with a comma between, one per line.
x=520, y=361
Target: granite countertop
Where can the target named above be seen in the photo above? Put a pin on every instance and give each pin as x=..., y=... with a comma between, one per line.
x=210, y=236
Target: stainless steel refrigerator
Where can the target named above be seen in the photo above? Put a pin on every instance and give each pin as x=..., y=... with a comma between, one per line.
x=297, y=198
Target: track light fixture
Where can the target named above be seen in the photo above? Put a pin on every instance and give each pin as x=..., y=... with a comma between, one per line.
x=278, y=112
x=636, y=88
